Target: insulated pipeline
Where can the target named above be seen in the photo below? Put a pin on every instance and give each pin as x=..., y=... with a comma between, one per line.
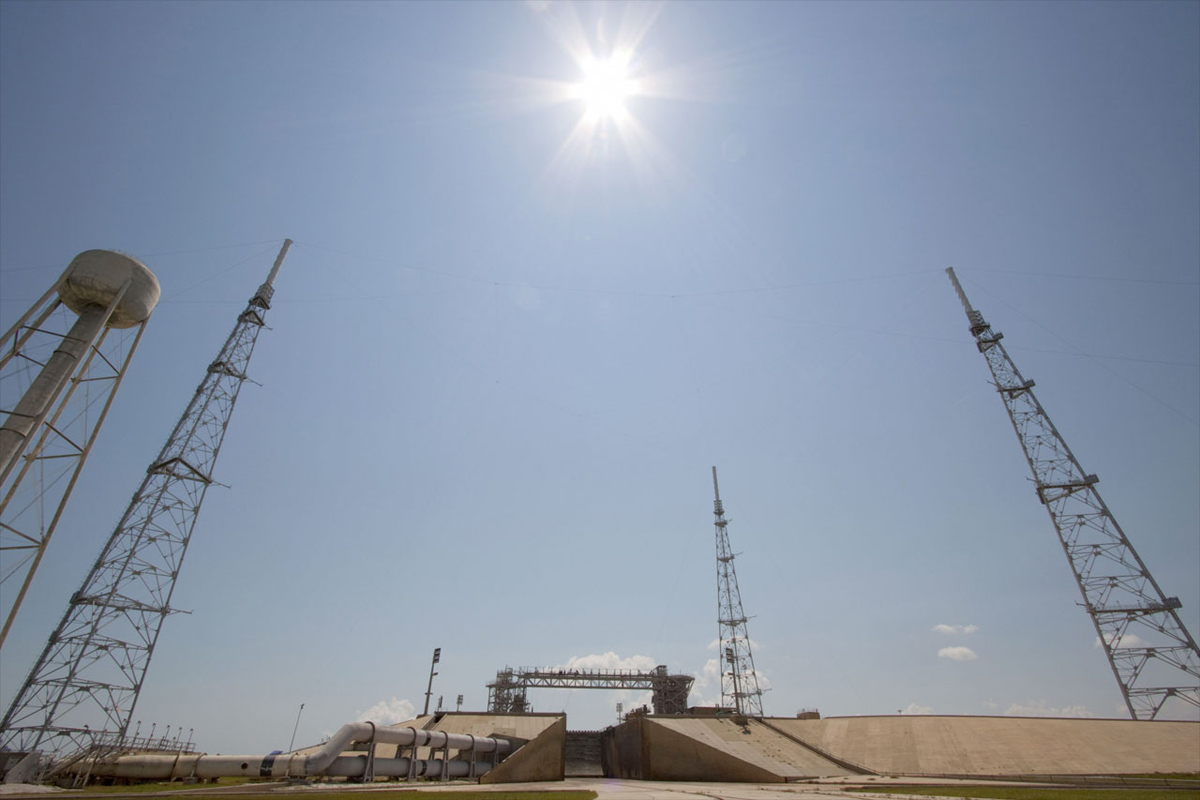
x=325, y=761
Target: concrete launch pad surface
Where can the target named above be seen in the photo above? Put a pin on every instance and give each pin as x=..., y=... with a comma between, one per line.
x=606, y=789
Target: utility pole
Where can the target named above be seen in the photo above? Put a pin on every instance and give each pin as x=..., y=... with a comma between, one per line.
x=740, y=683
x=94, y=665
x=292, y=745
x=437, y=656
x=1152, y=655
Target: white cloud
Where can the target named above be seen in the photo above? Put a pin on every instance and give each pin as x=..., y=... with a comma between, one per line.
x=715, y=643
x=955, y=629
x=913, y=708
x=1128, y=640
x=706, y=691
x=630, y=700
x=388, y=712
x=958, y=653
x=609, y=661
x=710, y=675
x=1038, y=708
x=704, y=696
x=991, y=705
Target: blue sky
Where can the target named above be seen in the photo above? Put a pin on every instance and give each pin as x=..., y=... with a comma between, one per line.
x=508, y=346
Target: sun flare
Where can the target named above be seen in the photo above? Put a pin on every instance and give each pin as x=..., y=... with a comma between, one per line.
x=606, y=85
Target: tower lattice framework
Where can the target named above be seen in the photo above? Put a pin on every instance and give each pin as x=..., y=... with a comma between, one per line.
x=85, y=685
x=37, y=480
x=1151, y=653
x=739, y=679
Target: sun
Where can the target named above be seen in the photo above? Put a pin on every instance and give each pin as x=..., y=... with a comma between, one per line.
x=605, y=86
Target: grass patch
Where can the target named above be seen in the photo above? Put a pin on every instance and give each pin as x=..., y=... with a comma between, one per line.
x=165, y=786
x=1030, y=793
x=463, y=795
x=200, y=790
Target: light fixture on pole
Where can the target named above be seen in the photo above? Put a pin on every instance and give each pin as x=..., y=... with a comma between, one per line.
x=437, y=656
x=731, y=657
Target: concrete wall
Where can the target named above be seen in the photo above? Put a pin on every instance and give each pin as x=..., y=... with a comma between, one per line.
x=541, y=759
x=690, y=752
x=708, y=749
x=931, y=745
x=621, y=750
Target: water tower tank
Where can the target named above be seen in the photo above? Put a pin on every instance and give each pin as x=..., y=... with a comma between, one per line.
x=95, y=277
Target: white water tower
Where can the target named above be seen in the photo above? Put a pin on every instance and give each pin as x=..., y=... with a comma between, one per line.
x=53, y=420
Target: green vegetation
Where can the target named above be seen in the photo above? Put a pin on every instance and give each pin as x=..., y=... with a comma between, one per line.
x=1030, y=793
x=165, y=786
x=200, y=790
x=140, y=788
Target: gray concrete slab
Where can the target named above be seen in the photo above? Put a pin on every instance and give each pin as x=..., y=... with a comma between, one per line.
x=933, y=745
x=754, y=744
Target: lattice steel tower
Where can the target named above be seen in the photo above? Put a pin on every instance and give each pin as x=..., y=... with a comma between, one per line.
x=1151, y=652
x=739, y=680
x=85, y=685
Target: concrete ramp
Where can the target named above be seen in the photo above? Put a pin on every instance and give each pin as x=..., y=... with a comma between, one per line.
x=709, y=749
x=999, y=746
x=541, y=758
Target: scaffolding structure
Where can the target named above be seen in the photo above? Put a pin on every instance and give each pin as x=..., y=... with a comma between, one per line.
x=86, y=682
x=1152, y=655
x=739, y=679
x=509, y=693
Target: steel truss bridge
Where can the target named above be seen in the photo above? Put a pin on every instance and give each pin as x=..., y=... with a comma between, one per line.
x=508, y=695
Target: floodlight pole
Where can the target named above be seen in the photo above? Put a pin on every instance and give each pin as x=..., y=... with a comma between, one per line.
x=437, y=656
x=292, y=746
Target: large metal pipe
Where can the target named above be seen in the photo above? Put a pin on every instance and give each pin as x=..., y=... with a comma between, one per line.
x=326, y=761
x=165, y=768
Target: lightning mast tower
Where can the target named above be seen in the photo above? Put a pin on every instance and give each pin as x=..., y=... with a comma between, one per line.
x=739, y=680
x=1150, y=651
x=85, y=685
x=48, y=431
